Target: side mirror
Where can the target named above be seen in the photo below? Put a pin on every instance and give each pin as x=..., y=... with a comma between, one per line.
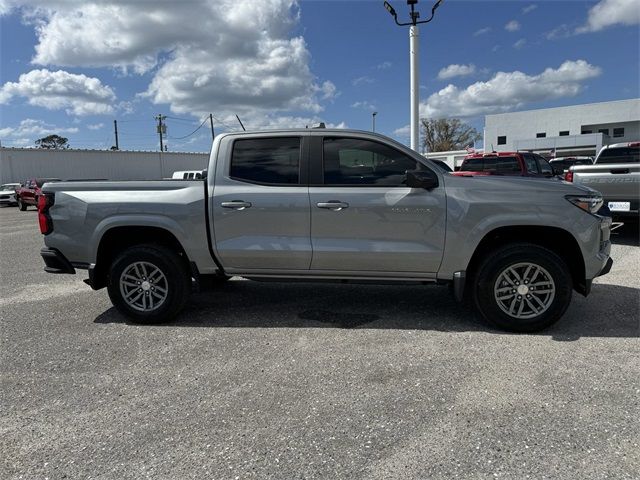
x=422, y=179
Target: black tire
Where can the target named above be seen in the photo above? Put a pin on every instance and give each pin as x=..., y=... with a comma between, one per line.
x=519, y=256
x=176, y=280
x=21, y=205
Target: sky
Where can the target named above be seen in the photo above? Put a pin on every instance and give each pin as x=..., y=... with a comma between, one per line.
x=72, y=67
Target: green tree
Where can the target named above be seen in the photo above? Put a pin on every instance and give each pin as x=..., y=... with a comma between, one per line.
x=447, y=134
x=53, y=141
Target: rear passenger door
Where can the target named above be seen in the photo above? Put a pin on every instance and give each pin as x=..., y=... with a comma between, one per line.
x=363, y=216
x=261, y=217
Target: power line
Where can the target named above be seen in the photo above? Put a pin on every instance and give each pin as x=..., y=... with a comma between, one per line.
x=199, y=127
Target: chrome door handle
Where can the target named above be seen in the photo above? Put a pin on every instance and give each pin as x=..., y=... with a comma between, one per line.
x=333, y=205
x=236, y=204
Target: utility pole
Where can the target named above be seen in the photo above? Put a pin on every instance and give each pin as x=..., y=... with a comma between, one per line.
x=373, y=119
x=213, y=135
x=414, y=36
x=115, y=130
x=162, y=129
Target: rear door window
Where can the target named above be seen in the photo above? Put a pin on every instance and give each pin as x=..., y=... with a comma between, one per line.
x=620, y=155
x=530, y=164
x=268, y=161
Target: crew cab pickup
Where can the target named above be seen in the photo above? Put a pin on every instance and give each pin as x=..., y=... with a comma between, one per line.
x=524, y=164
x=616, y=174
x=329, y=204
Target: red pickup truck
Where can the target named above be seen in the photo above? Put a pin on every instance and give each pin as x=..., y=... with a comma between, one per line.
x=29, y=192
x=523, y=164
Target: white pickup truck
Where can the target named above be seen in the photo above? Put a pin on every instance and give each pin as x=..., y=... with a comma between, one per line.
x=616, y=174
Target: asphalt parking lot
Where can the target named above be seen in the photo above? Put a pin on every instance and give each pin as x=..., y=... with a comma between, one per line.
x=283, y=380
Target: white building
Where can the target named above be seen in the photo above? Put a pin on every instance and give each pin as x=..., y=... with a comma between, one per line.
x=19, y=164
x=573, y=130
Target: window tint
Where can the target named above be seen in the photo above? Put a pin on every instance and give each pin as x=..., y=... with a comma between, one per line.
x=502, y=140
x=498, y=165
x=266, y=160
x=545, y=168
x=620, y=155
x=351, y=161
x=530, y=163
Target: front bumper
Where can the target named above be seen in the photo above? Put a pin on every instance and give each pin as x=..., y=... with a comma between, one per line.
x=55, y=261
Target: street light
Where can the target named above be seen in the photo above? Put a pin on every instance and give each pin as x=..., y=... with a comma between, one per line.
x=373, y=118
x=413, y=60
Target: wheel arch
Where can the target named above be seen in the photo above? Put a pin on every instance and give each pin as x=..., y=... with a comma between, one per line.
x=118, y=238
x=556, y=239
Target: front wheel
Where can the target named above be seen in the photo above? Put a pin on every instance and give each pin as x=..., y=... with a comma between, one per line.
x=148, y=284
x=523, y=288
x=21, y=205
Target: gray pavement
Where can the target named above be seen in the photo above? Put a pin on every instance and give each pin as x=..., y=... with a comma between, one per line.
x=283, y=380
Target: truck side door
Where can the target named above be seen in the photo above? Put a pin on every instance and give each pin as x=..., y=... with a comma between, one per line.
x=260, y=204
x=363, y=216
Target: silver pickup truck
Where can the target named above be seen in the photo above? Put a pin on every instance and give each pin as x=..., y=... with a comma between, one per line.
x=338, y=205
x=616, y=174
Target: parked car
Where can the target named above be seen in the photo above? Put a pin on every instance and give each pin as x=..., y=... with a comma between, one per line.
x=29, y=192
x=330, y=204
x=8, y=194
x=520, y=164
x=616, y=174
x=561, y=164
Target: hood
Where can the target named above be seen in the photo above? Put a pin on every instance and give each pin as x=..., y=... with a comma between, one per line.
x=517, y=183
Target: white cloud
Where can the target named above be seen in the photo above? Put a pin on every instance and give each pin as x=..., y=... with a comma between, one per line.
x=561, y=31
x=529, y=8
x=512, y=26
x=520, y=43
x=364, y=105
x=509, y=90
x=384, y=65
x=403, y=132
x=607, y=13
x=356, y=82
x=95, y=126
x=456, y=70
x=31, y=128
x=482, y=31
x=225, y=56
x=77, y=94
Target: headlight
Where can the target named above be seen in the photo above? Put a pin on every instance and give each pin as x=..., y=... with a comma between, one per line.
x=588, y=203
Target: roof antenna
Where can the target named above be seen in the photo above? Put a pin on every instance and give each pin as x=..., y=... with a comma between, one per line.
x=240, y=122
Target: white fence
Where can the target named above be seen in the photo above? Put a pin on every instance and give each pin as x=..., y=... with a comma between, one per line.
x=19, y=164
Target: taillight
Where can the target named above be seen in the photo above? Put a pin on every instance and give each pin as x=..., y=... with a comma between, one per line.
x=45, y=201
x=568, y=176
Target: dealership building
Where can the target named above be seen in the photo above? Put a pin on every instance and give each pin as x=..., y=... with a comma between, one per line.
x=572, y=130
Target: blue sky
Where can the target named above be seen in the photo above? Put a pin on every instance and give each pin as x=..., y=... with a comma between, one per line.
x=72, y=67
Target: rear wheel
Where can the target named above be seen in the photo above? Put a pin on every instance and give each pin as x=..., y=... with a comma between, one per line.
x=523, y=288
x=21, y=205
x=148, y=284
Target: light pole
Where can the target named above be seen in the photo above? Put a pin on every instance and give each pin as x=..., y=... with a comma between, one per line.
x=373, y=120
x=413, y=61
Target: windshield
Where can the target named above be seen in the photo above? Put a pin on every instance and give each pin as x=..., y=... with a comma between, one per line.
x=9, y=186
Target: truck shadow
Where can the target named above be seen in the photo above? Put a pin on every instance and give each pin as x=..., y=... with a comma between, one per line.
x=628, y=234
x=246, y=304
